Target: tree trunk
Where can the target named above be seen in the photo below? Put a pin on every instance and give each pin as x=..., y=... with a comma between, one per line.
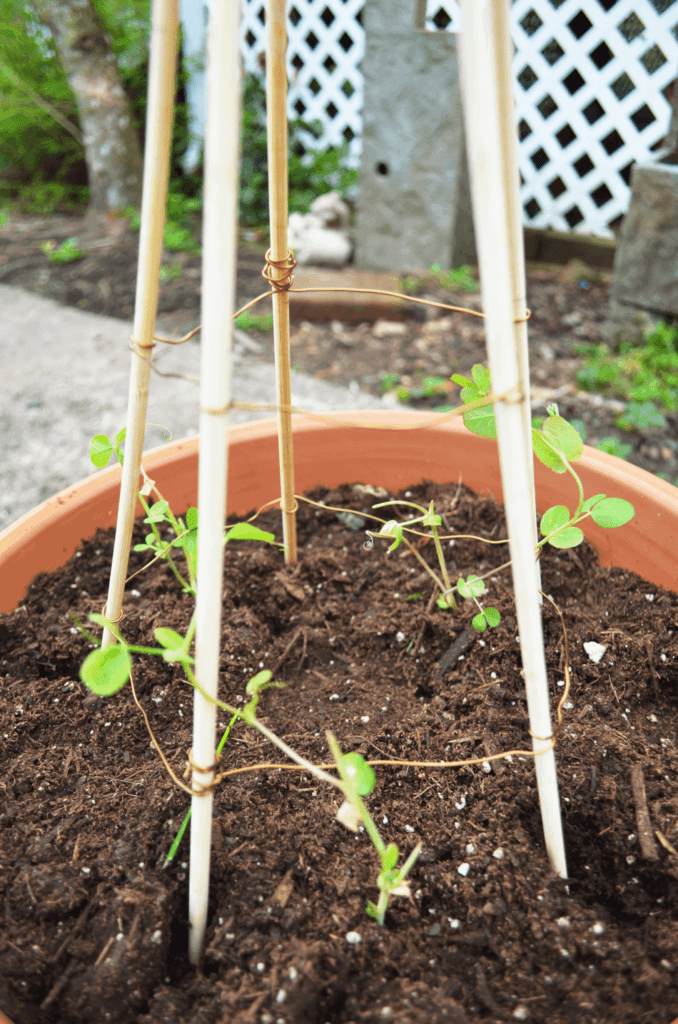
x=112, y=151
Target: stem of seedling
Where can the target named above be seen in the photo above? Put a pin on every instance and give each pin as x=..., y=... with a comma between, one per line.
x=433, y=521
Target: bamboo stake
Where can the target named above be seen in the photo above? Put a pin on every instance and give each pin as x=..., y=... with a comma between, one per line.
x=220, y=211
x=511, y=186
x=276, y=111
x=163, y=57
x=490, y=144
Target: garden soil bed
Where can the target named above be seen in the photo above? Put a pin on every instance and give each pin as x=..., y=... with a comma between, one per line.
x=569, y=306
x=95, y=931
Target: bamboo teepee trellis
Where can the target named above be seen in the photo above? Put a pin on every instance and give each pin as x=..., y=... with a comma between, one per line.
x=487, y=86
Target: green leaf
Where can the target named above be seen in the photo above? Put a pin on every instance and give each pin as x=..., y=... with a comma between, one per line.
x=568, y=538
x=168, y=638
x=192, y=518
x=462, y=381
x=360, y=772
x=140, y=547
x=244, y=531
x=545, y=455
x=443, y=603
x=100, y=448
x=611, y=512
x=471, y=587
x=590, y=502
x=157, y=512
x=371, y=910
x=432, y=519
x=190, y=543
x=480, y=421
x=563, y=437
x=478, y=622
x=392, y=529
x=553, y=519
x=493, y=617
x=259, y=681
x=105, y=672
x=389, y=857
x=481, y=376
x=120, y=436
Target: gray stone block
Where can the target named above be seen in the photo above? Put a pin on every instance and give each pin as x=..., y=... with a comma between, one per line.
x=414, y=205
x=645, y=271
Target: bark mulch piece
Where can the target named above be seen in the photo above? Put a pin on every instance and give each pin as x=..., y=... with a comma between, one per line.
x=94, y=930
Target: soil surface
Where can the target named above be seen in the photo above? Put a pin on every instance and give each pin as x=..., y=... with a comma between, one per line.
x=569, y=307
x=95, y=930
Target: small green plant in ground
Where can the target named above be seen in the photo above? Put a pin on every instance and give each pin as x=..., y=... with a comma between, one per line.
x=457, y=279
x=636, y=373
x=171, y=272
x=640, y=416
x=423, y=386
x=613, y=446
x=67, y=252
x=251, y=322
x=359, y=780
x=470, y=588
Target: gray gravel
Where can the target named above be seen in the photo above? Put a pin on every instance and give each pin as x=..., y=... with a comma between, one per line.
x=64, y=376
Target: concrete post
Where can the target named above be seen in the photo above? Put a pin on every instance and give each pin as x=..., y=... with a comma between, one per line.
x=414, y=205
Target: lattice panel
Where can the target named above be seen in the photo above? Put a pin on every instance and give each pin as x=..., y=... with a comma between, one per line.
x=326, y=43
x=590, y=76
x=443, y=17
x=589, y=103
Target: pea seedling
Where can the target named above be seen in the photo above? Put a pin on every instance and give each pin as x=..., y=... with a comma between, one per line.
x=557, y=444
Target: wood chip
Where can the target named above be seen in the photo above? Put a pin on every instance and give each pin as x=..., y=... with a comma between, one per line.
x=645, y=838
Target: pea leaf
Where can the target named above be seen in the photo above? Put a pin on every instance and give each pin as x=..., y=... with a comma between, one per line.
x=100, y=448
x=553, y=519
x=563, y=437
x=389, y=858
x=360, y=773
x=259, y=681
x=392, y=529
x=168, y=638
x=106, y=671
x=190, y=543
x=545, y=454
x=611, y=512
x=478, y=622
x=493, y=617
x=471, y=587
x=157, y=512
x=245, y=531
x=192, y=518
x=120, y=436
x=481, y=376
x=590, y=502
x=480, y=421
x=462, y=381
x=568, y=538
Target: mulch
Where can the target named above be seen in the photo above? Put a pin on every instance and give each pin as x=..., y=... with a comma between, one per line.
x=569, y=307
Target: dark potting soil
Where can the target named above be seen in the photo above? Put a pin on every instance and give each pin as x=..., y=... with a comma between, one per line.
x=93, y=930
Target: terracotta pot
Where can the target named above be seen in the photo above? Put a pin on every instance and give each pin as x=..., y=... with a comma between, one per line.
x=332, y=453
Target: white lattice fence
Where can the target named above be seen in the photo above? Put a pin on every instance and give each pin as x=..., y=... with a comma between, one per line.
x=590, y=76
x=326, y=43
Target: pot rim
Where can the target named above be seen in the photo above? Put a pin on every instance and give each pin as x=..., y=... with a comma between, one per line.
x=327, y=446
